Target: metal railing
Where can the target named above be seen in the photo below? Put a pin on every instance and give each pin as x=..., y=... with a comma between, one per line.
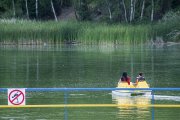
x=93, y=89
x=66, y=90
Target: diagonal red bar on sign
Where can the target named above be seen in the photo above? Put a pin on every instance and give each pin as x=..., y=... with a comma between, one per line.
x=15, y=98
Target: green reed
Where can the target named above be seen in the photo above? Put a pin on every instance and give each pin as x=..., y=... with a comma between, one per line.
x=36, y=32
x=117, y=34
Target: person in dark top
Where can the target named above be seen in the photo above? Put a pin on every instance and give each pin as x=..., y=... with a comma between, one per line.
x=125, y=78
x=140, y=78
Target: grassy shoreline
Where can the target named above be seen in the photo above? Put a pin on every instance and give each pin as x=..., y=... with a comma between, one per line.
x=50, y=32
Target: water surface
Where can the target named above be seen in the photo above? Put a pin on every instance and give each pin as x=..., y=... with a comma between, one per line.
x=88, y=66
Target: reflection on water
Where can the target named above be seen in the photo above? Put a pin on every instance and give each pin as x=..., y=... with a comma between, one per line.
x=99, y=66
x=90, y=66
x=140, y=113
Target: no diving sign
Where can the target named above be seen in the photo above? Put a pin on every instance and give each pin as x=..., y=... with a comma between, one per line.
x=16, y=96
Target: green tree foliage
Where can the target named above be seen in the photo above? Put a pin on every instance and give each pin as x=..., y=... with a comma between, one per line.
x=92, y=10
x=6, y=10
x=44, y=8
x=82, y=9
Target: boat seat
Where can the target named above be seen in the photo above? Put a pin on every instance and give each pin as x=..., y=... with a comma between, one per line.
x=125, y=85
x=142, y=84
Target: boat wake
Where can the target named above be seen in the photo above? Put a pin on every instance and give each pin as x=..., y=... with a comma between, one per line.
x=149, y=96
x=164, y=97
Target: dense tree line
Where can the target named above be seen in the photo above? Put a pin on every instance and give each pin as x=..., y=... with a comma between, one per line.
x=92, y=10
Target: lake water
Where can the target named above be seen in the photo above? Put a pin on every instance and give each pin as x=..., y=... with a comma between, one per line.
x=89, y=66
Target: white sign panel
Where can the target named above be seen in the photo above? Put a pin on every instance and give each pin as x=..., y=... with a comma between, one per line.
x=16, y=96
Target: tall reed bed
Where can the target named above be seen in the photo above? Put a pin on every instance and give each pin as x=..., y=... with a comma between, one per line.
x=117, y=34
x=35, y=32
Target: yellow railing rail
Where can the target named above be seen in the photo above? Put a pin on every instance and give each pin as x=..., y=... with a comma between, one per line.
x=92, y=105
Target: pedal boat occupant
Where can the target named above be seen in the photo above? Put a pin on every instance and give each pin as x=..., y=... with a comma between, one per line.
x=124, y=81
x=141, y=82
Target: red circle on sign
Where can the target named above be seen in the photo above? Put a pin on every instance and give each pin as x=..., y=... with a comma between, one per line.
x=21, y=93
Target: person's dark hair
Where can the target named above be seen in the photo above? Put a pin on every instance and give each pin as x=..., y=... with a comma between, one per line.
x=140, y=77
x=124, y=74
x=140, y=74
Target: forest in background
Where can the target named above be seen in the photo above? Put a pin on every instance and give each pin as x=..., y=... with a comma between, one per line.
x=89, y=21
x=125, y=11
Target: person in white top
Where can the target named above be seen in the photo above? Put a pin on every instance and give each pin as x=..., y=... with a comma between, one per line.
x=140, y=78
